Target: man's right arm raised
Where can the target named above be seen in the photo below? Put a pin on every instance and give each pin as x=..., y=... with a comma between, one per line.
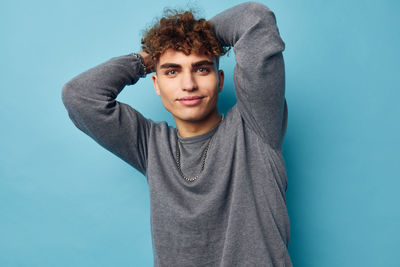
x=90, y=99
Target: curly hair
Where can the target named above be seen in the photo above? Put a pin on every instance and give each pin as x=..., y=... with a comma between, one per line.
x=182, y=32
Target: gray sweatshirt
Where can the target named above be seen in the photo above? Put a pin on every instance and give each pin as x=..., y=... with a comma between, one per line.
x=234, y=213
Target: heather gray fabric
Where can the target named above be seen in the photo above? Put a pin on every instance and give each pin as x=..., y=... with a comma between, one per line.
x=235, y=213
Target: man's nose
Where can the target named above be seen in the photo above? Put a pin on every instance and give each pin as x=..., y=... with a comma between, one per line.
x=188, y=82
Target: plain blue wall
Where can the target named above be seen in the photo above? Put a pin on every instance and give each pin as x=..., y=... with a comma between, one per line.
x=65, y=201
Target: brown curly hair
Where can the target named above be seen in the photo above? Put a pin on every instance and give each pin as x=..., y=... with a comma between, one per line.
x=182, y=32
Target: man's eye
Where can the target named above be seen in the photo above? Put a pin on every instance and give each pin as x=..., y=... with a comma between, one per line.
x=203, y=70
x=171, y=72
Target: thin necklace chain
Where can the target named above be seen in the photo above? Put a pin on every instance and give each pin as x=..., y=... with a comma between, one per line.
x=203, y=161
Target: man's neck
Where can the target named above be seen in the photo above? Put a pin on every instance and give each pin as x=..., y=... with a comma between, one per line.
x=189, y=129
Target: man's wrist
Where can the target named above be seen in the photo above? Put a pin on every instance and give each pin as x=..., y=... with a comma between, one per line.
x=148, y=61
x=143, y=69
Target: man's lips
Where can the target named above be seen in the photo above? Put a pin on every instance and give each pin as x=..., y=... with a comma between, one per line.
x=190, y=100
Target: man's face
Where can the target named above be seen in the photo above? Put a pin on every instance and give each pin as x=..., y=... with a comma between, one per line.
x=188, y=85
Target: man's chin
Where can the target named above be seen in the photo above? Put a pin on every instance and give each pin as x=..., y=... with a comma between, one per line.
x=193, y=118
x=196, y=116
x=200, y=118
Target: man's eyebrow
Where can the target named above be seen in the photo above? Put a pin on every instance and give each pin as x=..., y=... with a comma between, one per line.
x=203, y=63
x=197, y=64
x=170, y=65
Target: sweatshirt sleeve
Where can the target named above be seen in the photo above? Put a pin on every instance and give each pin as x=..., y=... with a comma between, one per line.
x=259, y=74
x=90, y=99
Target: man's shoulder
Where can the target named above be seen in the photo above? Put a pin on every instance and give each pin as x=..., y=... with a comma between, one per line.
x=232, y=115
x=231, y=121
x=162, y=131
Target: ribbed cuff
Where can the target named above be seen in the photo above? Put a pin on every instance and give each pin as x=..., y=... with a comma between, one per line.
x=142, y=70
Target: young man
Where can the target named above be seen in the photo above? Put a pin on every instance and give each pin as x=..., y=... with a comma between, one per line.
x=217, y=185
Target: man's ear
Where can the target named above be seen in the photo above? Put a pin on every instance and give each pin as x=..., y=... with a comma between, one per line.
x=221, y=77
x=155, y=84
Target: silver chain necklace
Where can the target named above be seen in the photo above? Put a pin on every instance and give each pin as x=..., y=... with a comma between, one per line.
x=203, y=161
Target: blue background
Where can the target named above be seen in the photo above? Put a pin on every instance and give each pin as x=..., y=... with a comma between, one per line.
x=65, y=201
